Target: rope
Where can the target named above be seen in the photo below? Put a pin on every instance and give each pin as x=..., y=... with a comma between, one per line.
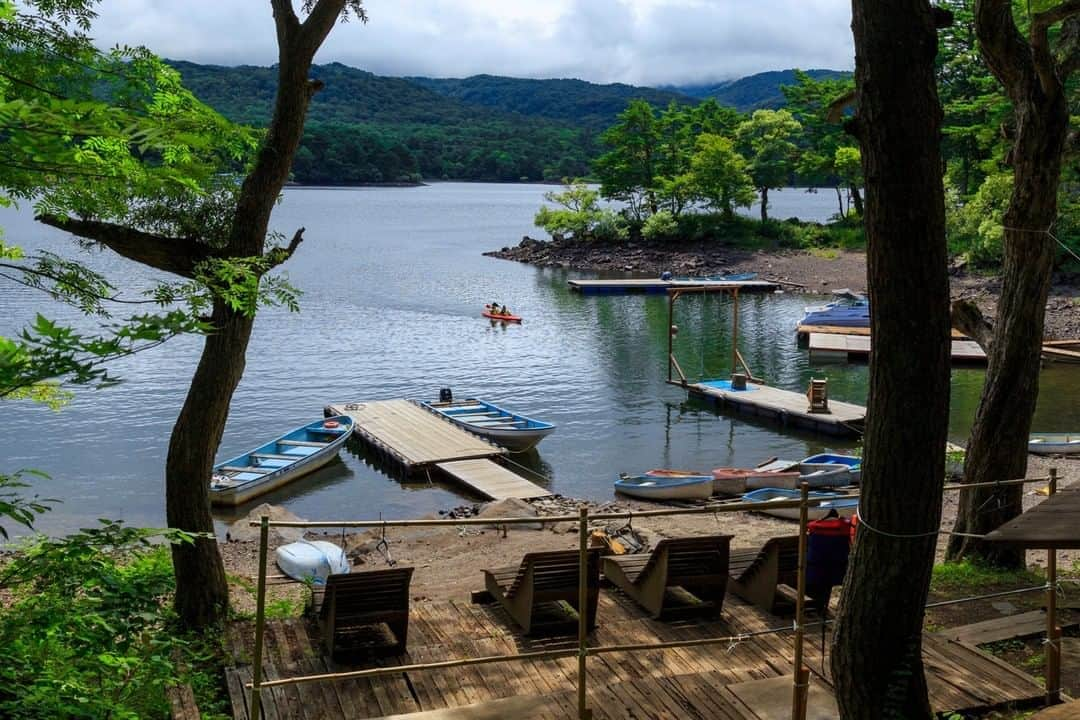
x=899, y=536
x=1064, y=247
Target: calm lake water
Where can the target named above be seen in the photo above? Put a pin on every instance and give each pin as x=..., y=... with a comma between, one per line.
x=394, y=281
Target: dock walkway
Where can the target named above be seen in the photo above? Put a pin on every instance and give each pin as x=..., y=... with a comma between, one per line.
x=417, y=440
x=857, y=346
x=784, y=406
x=689, y=683
x=660, y=287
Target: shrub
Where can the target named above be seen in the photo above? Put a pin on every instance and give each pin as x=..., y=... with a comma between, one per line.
x=86, y=633
x=660, y=226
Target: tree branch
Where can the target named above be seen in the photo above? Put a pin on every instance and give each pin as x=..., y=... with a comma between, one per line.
x=1069, y=48
x=968, y=319
x=173, y=255
x=319, y=23
x=286, y=23
x=1040, y=43
x=1004, y=49
x=278, y=255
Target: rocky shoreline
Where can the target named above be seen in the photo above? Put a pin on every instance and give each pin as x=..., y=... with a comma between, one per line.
x=816, y=271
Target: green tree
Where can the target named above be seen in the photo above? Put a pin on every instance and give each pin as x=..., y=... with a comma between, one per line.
x=811, y=102
x=627, y=172
x=720, y=176
x=577, y=211
x=847, y=162
x=216, y=240
x=766, y=140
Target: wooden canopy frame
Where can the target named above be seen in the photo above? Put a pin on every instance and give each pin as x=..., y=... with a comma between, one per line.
x=736, y=357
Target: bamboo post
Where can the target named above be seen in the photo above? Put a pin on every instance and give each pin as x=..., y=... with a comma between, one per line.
x=584, y=713
x=260, y=619
x=735, y=333
x=1053, y=632
x=802, y=674
x=671, y=333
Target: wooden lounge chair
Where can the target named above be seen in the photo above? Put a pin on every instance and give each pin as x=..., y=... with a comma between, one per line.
x=527, y=590
x=756, y=575
x=698, y=565
x=354, y=601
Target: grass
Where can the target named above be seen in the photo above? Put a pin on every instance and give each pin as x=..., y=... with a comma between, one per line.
x=968, y=576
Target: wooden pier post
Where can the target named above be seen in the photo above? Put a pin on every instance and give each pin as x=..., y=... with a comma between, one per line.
x=1053, y=632
x=260, y=619
x=802, y=674
x=584, y=713
x=735, y=332
x=670, y=332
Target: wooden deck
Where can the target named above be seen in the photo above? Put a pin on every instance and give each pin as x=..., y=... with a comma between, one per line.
x=411, y=436
x=684, y=684
x=839, y=330
x=491, y=479
x=857, y=347
x=784, y=406
x=658, y=286
x=1053, y=524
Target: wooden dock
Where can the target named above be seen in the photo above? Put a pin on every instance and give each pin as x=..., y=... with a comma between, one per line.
x=783, y=406
x=857, y=347
x=749, y=681
x=491, y=479
x=660, y=287
x=804, y=331
x=417, y=439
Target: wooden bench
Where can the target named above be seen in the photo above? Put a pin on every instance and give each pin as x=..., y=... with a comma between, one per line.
x=543, y=578
x=697, y=565
x=354, y=601
x=754, y=575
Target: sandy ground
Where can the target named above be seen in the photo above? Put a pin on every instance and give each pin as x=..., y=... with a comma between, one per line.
x=449, y=560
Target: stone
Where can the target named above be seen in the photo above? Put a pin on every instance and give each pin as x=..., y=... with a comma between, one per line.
x=510, y=508
x=243, y=530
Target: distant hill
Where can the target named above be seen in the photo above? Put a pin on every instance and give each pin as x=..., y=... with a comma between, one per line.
x=575, y=101
x=754, y=92
x=367, y=128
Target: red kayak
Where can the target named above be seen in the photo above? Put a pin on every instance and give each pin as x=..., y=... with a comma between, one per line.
x=503, y=317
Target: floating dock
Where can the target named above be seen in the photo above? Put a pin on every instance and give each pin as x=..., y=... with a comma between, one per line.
x=784, y=406
x=857, y=347
x=659, y=287
x=804, y=331
x=418, y=439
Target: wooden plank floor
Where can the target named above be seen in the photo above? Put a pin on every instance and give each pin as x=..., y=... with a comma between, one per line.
x=858, y=346
x=491, y=479
x=839, y=330
x=412, y=435
x=786, y=407
x=683, y=683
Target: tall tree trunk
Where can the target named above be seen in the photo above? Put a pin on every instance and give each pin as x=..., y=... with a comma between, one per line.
x=764, y=204
x=201, y=588
x=877, y=648
x=997, y=447
x=856, y=197
x=202, y=592
x=840, y=199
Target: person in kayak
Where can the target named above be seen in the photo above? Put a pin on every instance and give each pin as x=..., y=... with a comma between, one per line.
x=494, y=309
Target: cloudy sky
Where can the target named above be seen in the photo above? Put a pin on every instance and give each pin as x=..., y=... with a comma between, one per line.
x=648, y=42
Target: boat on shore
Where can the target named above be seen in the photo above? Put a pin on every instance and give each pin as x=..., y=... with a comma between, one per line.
x=736, y=481
x=278, y=462
x=1054, y=443
x=500, y=316
x=844, y=506
x=311, y=560
x=698, y=280
x=816, y=476
x=510, y=430
x=660, y=488
x=823, y=461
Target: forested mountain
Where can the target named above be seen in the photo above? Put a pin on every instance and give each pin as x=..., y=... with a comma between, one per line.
x=755, y=92
x=576, y=101
x=366, y=128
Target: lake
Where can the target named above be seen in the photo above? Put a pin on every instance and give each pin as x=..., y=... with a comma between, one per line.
x=394, y=281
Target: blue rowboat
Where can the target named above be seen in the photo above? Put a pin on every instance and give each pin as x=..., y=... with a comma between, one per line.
x=312, y=560
x=1054, y=443
x=733, y=277
x=671, y=487
x=514, y=432
x=853, y=464
x=844, y=506
x=279, y=462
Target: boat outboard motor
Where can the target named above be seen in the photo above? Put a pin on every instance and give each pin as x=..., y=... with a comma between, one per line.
x=446, y=395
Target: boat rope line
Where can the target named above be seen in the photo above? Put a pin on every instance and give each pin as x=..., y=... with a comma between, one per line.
x=899, y=536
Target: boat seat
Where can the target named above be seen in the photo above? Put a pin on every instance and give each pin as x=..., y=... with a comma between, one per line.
x=302, y=443
x=818, y=395
x=247, y=468
x=274, y=456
